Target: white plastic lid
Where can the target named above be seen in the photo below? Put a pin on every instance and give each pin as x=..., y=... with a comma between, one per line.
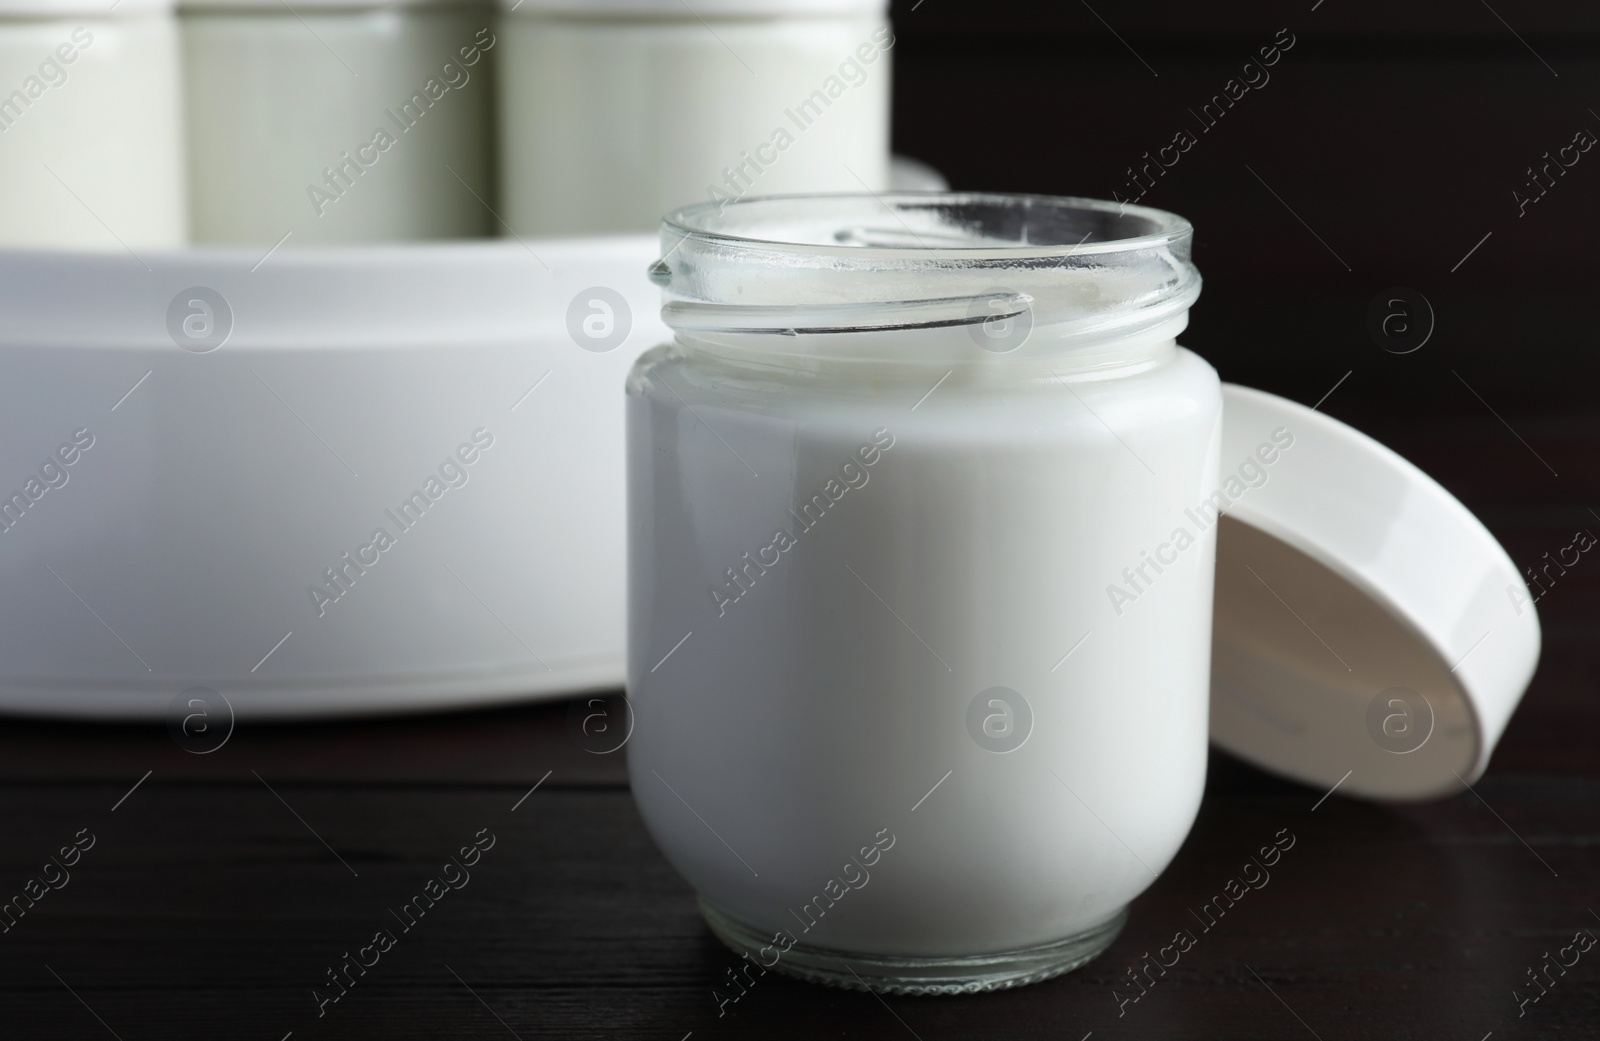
x=1370, y=634
x=93, y=10
x=698, y=9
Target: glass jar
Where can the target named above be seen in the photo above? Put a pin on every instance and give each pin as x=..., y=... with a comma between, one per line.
x=613, y=112
x=918, y=658
x=91, y=127
x=339, y=121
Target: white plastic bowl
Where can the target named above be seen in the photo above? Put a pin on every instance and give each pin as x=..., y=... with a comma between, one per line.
x=182, y=546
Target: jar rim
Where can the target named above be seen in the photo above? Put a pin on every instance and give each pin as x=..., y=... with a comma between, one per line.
x=1082, y=271
x=711, y=223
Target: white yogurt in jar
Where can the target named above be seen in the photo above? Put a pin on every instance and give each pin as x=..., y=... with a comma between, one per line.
x=91, y=130
x=338, y=122
x=871, y=591
x=613, y=113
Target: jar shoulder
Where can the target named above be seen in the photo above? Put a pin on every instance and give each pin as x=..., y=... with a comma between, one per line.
x=684, y=376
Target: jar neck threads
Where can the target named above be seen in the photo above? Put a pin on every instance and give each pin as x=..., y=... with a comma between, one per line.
x=938, y=278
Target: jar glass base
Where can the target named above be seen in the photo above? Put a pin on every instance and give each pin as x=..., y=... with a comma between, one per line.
x=895, y=974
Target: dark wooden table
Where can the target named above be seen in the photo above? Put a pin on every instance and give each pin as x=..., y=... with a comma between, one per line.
x=221, y=889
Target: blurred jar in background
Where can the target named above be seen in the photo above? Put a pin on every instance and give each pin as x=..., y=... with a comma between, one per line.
x=91, y=135
x=340, y=121
x=613, y=112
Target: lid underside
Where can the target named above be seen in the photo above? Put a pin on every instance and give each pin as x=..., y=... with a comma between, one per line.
x=1369, y=633
x=1334, y=686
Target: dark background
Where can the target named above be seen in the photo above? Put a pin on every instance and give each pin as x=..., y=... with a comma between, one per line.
x=1397, y=132
x=221, y=889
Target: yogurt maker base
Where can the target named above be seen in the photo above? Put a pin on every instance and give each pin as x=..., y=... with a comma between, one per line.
x=198, y=457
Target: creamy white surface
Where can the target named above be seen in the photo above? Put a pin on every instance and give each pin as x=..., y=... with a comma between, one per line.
x=275, y=98
x=812, y=713
x=96, y=160
x=606, y=125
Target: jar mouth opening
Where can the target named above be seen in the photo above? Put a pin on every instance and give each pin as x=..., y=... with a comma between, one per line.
x=957, y=226
x=1075, y=271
